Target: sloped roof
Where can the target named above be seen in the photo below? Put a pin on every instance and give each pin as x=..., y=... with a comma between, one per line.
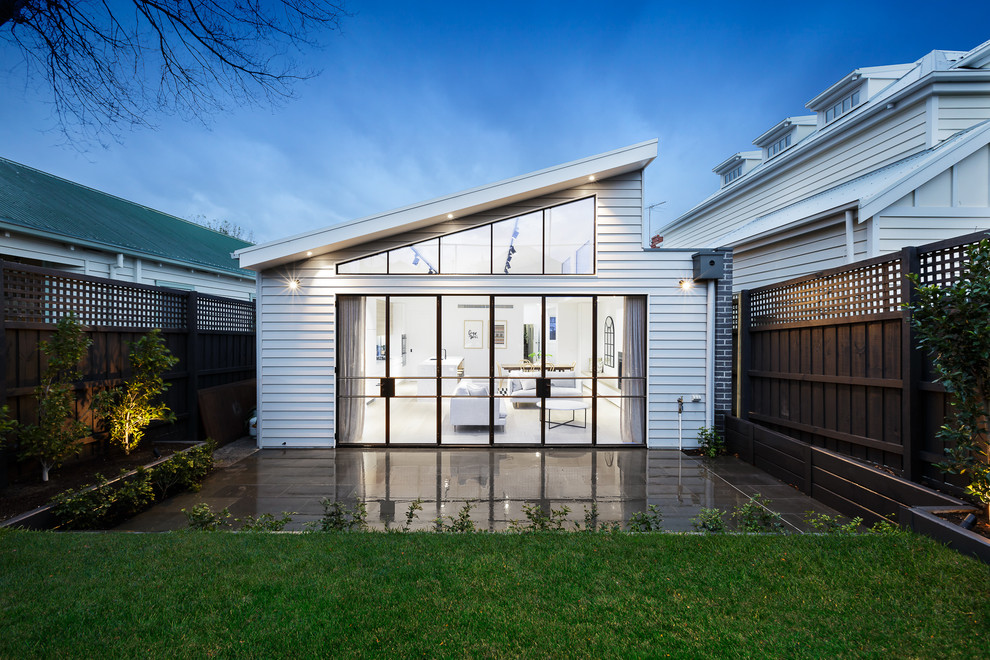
x=475, y=200
x=41, y=204
x=870, y=193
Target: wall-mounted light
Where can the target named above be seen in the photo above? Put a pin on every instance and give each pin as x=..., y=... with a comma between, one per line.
x=450, y=216
x=591, y=178
x=686, y=284
x=293, y=284
x=309, y=253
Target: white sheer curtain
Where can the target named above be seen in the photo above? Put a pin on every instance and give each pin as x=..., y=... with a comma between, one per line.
x=633, y=369
x=350, y=367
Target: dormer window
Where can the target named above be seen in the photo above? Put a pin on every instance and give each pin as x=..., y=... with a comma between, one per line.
x=778, y=146
x=732, y=175
x=841, y=107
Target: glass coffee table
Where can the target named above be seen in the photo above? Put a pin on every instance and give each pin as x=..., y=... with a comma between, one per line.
x=572, y=405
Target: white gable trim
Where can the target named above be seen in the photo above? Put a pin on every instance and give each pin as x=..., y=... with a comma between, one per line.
x=874, y=204
x=475, y=200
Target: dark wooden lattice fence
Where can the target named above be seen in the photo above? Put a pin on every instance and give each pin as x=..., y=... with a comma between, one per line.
x=830, y=359
x=213, y=337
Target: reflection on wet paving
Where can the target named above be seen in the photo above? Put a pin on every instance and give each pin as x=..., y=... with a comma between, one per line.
x=498, y=482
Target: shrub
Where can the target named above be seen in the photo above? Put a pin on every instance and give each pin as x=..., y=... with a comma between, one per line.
x=953, y=325
x=540, y=521
x=266, y=522
x=411, y=514
x=710, y=442
x=57, y=432
x=650, y=520
x=6, y=424
x=462, y=524
x=184, y=470
x=826, y=524
x=338, y=517
x=709, y=520
x=202, y=518
x=755, y=516
x=129, y=409
x=105, y=505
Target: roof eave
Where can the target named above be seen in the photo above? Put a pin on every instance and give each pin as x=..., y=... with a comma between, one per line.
x=561, y=177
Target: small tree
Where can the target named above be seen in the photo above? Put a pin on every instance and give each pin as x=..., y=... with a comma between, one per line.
x=130, y=408
x=6, y=424
x=55, y=435
x=953, y=325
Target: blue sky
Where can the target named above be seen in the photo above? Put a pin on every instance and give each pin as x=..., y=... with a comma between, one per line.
x=418, y=100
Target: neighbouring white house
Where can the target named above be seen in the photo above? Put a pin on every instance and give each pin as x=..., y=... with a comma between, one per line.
x=51, y=222
x=892, y=156
x=524, y=312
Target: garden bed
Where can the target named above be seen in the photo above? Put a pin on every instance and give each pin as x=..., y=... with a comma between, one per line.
x=30, y=492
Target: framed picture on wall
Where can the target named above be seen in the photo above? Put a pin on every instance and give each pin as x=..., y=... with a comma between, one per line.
x=474, y=334
x=498, y=336
x=552, y=330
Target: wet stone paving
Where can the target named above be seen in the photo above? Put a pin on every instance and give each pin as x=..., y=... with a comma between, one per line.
x=498, y=482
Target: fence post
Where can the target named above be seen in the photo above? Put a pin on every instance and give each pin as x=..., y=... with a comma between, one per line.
x=745, y=394
x=911, y=364
x=192, y=364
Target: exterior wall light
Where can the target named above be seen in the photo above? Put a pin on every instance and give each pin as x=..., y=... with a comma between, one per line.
x=686, y=284
x=591, y=178
x=294, y=284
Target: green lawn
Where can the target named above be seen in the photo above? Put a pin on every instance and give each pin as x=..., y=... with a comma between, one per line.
x=488, y=595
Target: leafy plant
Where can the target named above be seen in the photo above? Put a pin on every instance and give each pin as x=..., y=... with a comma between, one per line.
x=202, y=518
x=105, y=505
x=183, y=470
x=338, y=517
x=755, y=516
x=129, y=409
x=826, y=524
x=710, y=441
x=266, y=522
x=884, y=527
x=462, y=524
x=709, y=520
x=57, y=432
x=6, y=424
x=540, y=521
x=650, y=520
x=411, y=514
x=953, y=325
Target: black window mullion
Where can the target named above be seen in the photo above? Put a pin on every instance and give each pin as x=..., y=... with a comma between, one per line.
x=438, y=395
x=594, y=371
x=492, y=407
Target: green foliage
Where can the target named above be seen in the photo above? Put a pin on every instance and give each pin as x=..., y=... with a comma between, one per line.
x=338, y=517
x=57, y=432
x=183, y=471
x=710, y=441
x=462, y=524
x=755, y=516
x=6, y=424
x=202, y=518
x=106, y=505
x=540, y=521
x=826, y=524
x=109, y=504
x=411, y=514
x=953, y=326
x=593, y=525
x=885, y=528
x=650, y=520
x=711, y=521
x=266, y=522
x=129, y=409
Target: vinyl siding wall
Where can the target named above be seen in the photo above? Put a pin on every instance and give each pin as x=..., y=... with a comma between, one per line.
x=96, y=263
x=297, y=330
x=900, y=135
x=957, y=113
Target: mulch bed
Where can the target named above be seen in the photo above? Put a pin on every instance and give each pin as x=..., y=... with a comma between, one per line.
x=29, y=491
x=982, y=523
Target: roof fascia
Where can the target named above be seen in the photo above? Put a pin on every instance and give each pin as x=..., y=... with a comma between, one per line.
x=7, y=225
x=783, y=128
x=937, y=82
x=535, y=184
x=791, y=229
x=977, y=58
x=874, y=204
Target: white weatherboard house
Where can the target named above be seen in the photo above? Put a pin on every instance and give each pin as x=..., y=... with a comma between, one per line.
x=892, y=156
x=524, y=312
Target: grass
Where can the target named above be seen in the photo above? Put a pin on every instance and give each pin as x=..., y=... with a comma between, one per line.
x=378, y=595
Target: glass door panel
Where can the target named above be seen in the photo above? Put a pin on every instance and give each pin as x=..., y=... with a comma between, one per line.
x=567, y=412
x=413, y=365
x=361, y=368
x=621, y=364
x=466, y=383
x=518, y=353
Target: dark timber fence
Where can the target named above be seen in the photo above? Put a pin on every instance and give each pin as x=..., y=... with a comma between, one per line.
x=213, y=337
x=830, y=359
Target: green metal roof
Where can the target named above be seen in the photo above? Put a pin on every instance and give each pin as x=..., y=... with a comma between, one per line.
x=43, y=203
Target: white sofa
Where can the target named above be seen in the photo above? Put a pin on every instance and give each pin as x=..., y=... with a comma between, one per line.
x=522, y=386
x=469, y=407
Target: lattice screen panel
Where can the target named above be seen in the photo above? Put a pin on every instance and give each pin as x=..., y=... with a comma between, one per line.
x=870, y=289
x=40, y=296
x=215, y=314
x=945, y=266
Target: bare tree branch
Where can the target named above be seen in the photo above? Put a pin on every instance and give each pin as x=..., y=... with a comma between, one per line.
x=114, y=63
